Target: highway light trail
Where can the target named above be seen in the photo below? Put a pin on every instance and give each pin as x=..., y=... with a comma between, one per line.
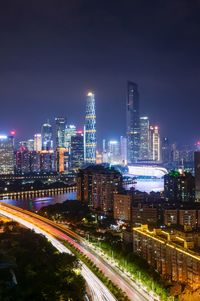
x=98, y=290
x=127, y=285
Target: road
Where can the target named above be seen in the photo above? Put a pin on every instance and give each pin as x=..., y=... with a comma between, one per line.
x=57, y=232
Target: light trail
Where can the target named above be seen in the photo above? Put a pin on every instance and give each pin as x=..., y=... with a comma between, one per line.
x=127, y=285
x=98, y=290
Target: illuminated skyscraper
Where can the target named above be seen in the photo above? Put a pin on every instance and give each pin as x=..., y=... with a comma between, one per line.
x=60, y=131
x=70, y=131
x=90, y=130
x=30, y=144
x=133, y=122
x=6, y=154
x=37, y=142
x=123, y=150
x=47, y=136
x=77, y=151
x=155, y=149
x=144, y=138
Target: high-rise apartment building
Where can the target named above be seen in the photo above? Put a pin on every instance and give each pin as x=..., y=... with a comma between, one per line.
x=133, y=122
x=90, y=130
x=60, y=124
x=96, y=186
x=179, y=186
x=37, y=142
x=6, y=154
x=144, y=138
x=47, y=136
x=77, y=151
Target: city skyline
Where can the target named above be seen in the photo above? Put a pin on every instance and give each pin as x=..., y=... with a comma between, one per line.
x=51, y=57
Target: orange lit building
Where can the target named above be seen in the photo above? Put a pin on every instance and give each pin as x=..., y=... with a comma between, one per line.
x=169, y=254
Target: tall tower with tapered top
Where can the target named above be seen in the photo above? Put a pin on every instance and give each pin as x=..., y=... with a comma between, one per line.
x=90, y=130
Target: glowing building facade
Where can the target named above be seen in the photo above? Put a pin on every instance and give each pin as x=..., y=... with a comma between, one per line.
x=47, y=137
x=37, y=142
x=144, y=138
x=60, y=123
x=155, y=149
x=90, y=130
x=6, y=154
x=133, y=122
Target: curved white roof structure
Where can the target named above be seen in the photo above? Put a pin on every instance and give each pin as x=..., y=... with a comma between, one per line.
x=147, y=170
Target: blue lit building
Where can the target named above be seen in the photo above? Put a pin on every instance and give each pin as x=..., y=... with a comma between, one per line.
x=90, y=130
x=47, y=136
x=60, y=131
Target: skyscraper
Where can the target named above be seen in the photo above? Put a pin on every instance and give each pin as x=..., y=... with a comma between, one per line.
x=77, y=151
x=47, y=136
x=90, y=130
x=133, y=122
x=60, y=131
x=155, y=150
x=70, y=131
x=37, y=142
x=123, y=149
x=144, y=138
x=166, y=152
x=6, y=154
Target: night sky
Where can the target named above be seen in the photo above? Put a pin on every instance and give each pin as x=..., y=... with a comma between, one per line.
x=53, y=52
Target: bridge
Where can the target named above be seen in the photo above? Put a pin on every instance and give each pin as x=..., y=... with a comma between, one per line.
x=56, y=234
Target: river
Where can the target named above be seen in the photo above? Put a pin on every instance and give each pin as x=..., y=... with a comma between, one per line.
x=35, y=204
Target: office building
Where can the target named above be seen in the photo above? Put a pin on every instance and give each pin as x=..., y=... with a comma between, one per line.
x=60, y=124
x=23, y=160
x=6, y=154
x=96, y=186
x=154, y=139
x=30, y=145
x=144, y=138
x=47, y=161
x=62, y=160
x=77, y=151
x=165, y=151
x=37, y=142
x=123, y=150
x=179, y=186
x=90, y=130
x=133, y=122
x=47, y=137
x=70, y=131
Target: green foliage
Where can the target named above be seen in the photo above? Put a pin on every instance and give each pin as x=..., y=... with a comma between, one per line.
x=116, y=291
x=135, y=265
x=42, y=273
